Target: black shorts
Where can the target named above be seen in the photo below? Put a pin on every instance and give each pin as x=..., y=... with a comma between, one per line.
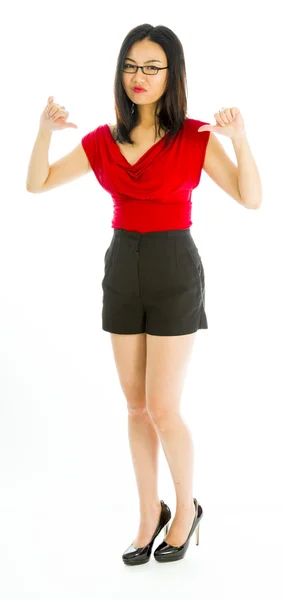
x=153, y=282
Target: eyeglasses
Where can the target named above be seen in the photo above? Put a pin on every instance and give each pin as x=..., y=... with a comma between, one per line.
x=148, y=70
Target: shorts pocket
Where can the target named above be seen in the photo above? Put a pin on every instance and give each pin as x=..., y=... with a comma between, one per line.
x=196, y=258
x=189, y=260
x=111, y=256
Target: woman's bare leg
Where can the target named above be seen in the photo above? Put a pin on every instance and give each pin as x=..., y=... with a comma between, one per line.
x=130, y=357
x=167, y=361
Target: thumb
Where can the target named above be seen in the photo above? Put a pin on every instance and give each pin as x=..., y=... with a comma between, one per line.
x=71, y=125
x=205, y=128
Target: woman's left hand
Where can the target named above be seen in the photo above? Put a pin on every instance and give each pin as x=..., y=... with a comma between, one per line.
x=229, y=123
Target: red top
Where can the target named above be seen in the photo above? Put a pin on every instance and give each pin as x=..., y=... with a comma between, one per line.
x=155, y=193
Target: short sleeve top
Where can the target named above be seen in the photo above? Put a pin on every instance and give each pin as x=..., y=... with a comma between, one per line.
x=155, y=193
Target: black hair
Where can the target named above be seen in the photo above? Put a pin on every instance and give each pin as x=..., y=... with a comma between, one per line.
x=171, y=108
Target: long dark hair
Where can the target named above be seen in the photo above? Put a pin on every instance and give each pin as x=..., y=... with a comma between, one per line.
x=171, y=108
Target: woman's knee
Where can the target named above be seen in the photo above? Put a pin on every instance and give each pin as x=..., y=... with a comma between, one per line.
x=137, y=410
x=135, y=399
x=163, y=417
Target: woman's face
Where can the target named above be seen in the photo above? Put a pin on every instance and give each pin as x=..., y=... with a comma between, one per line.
x=145, y=53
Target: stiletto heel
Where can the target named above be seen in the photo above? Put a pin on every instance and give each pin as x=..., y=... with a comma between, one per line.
x=166, y=553
x=197, y=534
x=137, y=556
x=166, y=527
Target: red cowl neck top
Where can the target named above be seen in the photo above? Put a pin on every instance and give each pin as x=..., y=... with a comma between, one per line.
x=153, y=194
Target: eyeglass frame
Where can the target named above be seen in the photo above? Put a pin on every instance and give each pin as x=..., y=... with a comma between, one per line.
x=136, y=67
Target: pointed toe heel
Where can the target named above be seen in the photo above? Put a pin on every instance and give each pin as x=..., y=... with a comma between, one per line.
x=166, y=553
x=139, y=556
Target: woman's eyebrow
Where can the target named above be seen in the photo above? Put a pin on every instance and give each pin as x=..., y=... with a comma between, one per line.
x=151, y=60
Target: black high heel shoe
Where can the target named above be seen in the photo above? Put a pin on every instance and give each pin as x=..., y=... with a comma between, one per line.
x=138, y=556
x=166, y=553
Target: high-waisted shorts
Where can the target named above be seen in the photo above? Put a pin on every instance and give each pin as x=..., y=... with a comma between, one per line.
x=153, y=282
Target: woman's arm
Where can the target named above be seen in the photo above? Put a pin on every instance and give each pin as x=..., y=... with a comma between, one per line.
x=249, y=182
x=38, y=168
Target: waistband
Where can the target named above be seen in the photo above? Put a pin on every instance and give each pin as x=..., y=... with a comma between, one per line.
x=166, y=234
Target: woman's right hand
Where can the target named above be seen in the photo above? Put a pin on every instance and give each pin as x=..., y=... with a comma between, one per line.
x=54, y=117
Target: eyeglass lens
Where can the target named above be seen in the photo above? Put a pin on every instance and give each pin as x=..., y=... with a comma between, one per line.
x=148, y=70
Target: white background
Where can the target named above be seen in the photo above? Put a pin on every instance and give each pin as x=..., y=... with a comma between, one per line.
x=68, y=498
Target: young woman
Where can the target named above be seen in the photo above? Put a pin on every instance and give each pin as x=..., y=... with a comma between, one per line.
x=154, y=284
